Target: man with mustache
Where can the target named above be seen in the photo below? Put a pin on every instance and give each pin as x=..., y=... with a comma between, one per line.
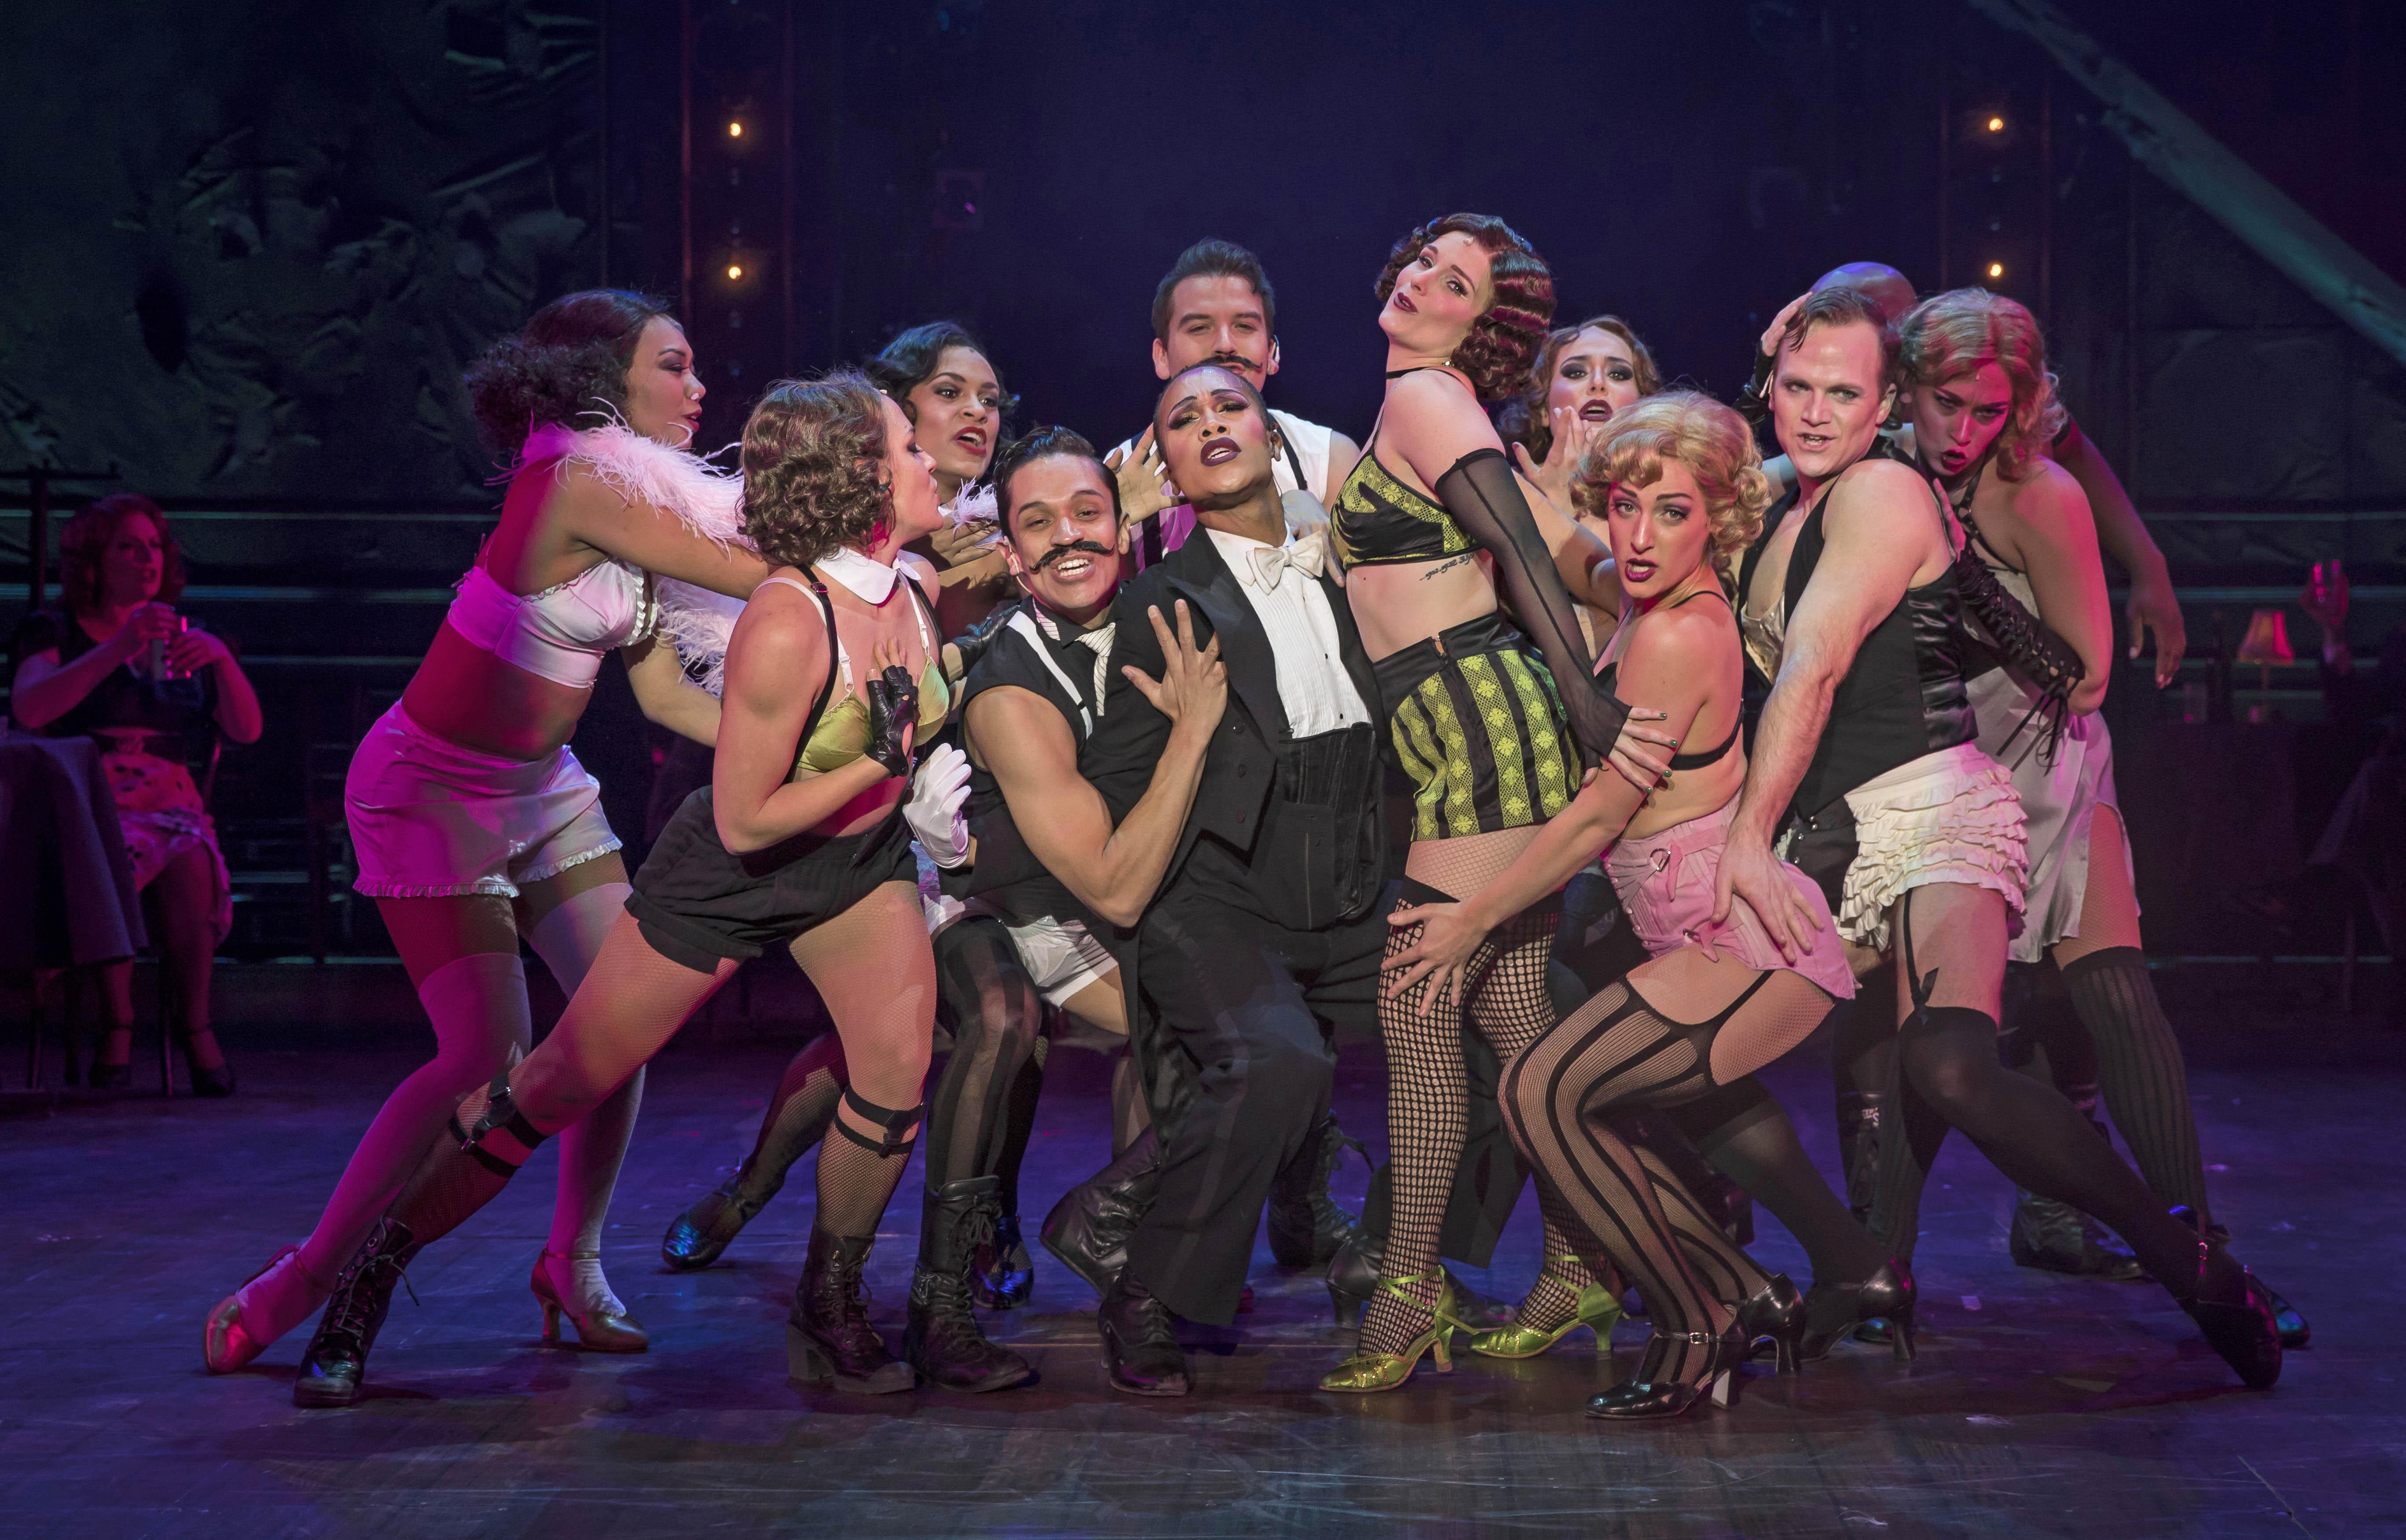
x=1215, y=305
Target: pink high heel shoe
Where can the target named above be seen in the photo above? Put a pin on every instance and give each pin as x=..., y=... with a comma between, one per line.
x=246, y=1322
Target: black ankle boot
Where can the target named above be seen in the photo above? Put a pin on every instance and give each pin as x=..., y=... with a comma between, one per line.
x=1354, y=1277
x=337, y=1360
x=1834, y=1310
x=1089, y=1228
x=942, y=1341
x=2060, y=1238
x=1858, y=1146
x=1141, y=1340
x=1306, y=1225
x=1003, y=1276
x=696, y=1237
x=828, y=1339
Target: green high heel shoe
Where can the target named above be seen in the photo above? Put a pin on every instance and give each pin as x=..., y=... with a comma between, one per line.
x=1598, y=1310
x=1364, y=1373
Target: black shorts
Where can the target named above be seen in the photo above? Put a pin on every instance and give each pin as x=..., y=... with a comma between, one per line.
x=699, y=904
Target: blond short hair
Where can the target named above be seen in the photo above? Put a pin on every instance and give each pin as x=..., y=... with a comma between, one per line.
x=1711, y=441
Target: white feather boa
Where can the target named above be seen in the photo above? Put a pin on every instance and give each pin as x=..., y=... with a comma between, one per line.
x=703, y=497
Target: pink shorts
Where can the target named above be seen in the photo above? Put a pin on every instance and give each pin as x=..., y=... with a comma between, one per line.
x=432, y=820
x=1665, y=882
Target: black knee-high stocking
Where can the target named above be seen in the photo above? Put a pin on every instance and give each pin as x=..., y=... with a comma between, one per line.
x=1862, y=1065
x=2141, y=1070
x=997, y=1019
x=797, y=1120
x=2027, y=1131
x=467, y=1166
x=1746, y=1134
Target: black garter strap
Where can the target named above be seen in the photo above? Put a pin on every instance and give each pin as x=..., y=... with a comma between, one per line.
x=500, y=1112
x=887, y=1118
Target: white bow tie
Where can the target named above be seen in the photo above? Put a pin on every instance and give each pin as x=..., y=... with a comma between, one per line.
x=1306, y=554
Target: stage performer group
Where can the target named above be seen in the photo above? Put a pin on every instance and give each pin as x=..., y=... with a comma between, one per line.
x=1241, y=740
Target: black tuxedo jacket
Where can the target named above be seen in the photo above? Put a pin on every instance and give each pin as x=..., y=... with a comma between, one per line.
x=1241, y=764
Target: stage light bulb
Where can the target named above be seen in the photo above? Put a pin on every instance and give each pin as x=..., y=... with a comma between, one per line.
x=735, y=131
x=1996, y=125
x=735, y=270
x=1996, y=270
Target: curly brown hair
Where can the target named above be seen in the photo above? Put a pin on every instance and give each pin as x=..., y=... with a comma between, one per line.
x=1522, y=420
x=814, y=469
x=568, y=364
x=83, y=542
x=1715, y=445
x=1955, y=332
x=1496, y=355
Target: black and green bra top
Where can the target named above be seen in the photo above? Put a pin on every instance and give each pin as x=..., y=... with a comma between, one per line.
x=1381, y=519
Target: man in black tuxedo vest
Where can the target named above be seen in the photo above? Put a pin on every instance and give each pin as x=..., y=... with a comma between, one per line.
x=1266, y=936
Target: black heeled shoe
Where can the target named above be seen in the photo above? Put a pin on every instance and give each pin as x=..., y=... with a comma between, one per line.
x=109, y=1077
x=1644, y=1394
x=2056, y=1236
x=1353, y=1275
x=2244, y=1330
x=696, y=1237
x=213, y=1080
x=1004, y=1275
x=1886, y=1295
x=1773, y=1314
x=2295, y=1332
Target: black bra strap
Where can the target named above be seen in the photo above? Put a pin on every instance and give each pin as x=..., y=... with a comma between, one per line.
x=826, y=690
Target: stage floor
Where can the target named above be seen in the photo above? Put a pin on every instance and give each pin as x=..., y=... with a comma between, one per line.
x=2039, y=1406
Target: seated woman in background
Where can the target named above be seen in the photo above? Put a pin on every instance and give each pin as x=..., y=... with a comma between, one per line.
x=116, y=663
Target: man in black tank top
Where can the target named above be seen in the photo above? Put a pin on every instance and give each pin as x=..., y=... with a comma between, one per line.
x=1865, y=758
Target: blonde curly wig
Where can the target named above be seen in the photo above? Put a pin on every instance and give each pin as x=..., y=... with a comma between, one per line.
x=1711, y=441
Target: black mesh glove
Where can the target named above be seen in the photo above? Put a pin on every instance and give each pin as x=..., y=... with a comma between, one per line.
x=1481, y=495
x=1754, y=402
x=978, y=639
x=893, y=707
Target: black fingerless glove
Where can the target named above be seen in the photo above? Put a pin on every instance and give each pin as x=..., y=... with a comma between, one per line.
x=1484, y=499
x=893, y=707
x=978, y=639
x=1754, y=402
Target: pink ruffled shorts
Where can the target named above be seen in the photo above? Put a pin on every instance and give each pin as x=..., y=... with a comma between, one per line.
x=1665, y=882
x=430, y=819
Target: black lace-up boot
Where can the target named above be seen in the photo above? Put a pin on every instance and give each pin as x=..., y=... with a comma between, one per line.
x=942, y=1340
x=337, y=1360
x=828, y=1339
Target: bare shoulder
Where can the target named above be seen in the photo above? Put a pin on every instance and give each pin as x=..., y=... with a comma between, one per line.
x=1428, y=392
x=1881, y=492
x=2047, y=494
x=1013, y=727
x=1680, y=639
x=922, y=572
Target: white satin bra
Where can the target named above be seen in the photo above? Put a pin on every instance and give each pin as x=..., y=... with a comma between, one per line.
x=561, y=634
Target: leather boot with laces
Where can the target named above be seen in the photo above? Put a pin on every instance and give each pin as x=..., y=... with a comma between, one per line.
x=1141, y=1340
x=942, y=1340
x=1306, y=1225
x=828, y=1339
x=335, y=1365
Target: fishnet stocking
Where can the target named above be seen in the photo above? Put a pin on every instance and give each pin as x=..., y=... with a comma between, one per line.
x=873, y=967
x=1506, y=1000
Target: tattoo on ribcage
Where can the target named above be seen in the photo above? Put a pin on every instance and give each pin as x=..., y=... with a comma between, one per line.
x=1445, y=566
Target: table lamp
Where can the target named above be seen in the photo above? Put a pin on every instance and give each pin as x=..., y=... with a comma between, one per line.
x=2267, y=642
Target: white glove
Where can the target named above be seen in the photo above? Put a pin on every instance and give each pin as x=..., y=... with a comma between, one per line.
x=934, y=814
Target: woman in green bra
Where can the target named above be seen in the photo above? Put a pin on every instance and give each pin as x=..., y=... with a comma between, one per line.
x=1494, y=726
x=800, y=841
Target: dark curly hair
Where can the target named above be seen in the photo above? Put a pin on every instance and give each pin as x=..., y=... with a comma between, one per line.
x=1043, y=443
x=904, y=364
x=1212, y=259
x=567, y=364
x=814, y=469
x=1522, y=420
x=1496, y=353
x=83, y=541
